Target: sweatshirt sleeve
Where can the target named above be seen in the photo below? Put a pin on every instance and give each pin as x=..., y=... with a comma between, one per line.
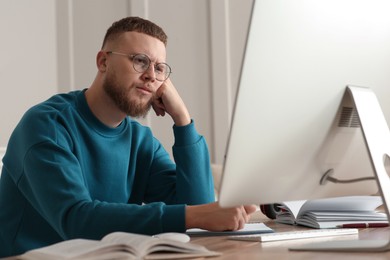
x=194, y=177
x=190, y=178
x=59, y=194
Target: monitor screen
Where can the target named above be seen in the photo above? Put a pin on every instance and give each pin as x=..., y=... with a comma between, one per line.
x=292, y=122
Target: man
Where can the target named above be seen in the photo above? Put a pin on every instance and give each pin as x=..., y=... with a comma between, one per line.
x=78, y=166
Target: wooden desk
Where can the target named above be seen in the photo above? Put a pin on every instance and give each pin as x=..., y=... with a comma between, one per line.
x=245, y=250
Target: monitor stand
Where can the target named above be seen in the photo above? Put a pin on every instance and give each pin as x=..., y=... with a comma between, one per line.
x=377, y=138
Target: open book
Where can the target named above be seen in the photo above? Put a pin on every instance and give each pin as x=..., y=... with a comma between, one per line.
x=119, y=245
x=332, y=212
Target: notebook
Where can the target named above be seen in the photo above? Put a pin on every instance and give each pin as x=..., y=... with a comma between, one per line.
x=250, y=228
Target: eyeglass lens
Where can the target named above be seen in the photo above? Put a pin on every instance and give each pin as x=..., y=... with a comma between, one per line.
x=142, y=62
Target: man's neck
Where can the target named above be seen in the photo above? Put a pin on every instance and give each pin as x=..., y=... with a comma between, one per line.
x=103, y=107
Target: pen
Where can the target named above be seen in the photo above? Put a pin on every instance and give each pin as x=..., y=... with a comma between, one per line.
x=364, y=225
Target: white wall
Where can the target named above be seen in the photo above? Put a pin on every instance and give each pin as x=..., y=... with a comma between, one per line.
x=28, y=63
x=51, y=48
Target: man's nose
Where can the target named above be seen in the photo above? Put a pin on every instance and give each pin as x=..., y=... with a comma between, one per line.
x=150, y=73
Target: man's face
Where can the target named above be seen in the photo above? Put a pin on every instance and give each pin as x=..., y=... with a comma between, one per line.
x=131, y=91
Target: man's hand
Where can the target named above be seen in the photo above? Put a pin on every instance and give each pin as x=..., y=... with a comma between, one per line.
x=214, y=218
x=169, y=101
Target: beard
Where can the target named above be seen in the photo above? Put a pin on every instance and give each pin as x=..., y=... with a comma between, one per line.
x=131, y=106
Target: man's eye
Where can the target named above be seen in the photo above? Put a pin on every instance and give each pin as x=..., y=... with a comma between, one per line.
x=141, y=61
x=160, y=68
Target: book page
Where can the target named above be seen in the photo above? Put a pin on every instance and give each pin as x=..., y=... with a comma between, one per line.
x=139, y=243
x=293, y=207
x=117, y=245
x=348, y=203
x=71, y=249
x=144, y=245
x=289, y=211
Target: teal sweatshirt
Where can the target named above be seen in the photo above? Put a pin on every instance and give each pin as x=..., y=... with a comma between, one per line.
x=66, y=175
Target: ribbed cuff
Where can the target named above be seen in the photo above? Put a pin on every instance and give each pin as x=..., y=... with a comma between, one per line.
x=174, y=218
x=185, y=135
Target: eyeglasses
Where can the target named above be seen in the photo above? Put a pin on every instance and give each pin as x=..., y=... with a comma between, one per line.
x=141, y=63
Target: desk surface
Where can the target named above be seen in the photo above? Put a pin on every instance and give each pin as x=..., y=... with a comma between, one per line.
x=245, y=250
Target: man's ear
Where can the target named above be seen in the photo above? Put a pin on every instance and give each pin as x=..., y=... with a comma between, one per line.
x=101, y=61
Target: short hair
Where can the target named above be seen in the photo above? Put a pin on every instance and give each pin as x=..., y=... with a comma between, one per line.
x=135, y=24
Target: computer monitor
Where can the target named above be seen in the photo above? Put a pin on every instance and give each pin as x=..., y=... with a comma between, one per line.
x=313, y=72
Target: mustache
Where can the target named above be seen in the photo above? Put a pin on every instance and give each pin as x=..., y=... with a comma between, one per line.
x=146, y=87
